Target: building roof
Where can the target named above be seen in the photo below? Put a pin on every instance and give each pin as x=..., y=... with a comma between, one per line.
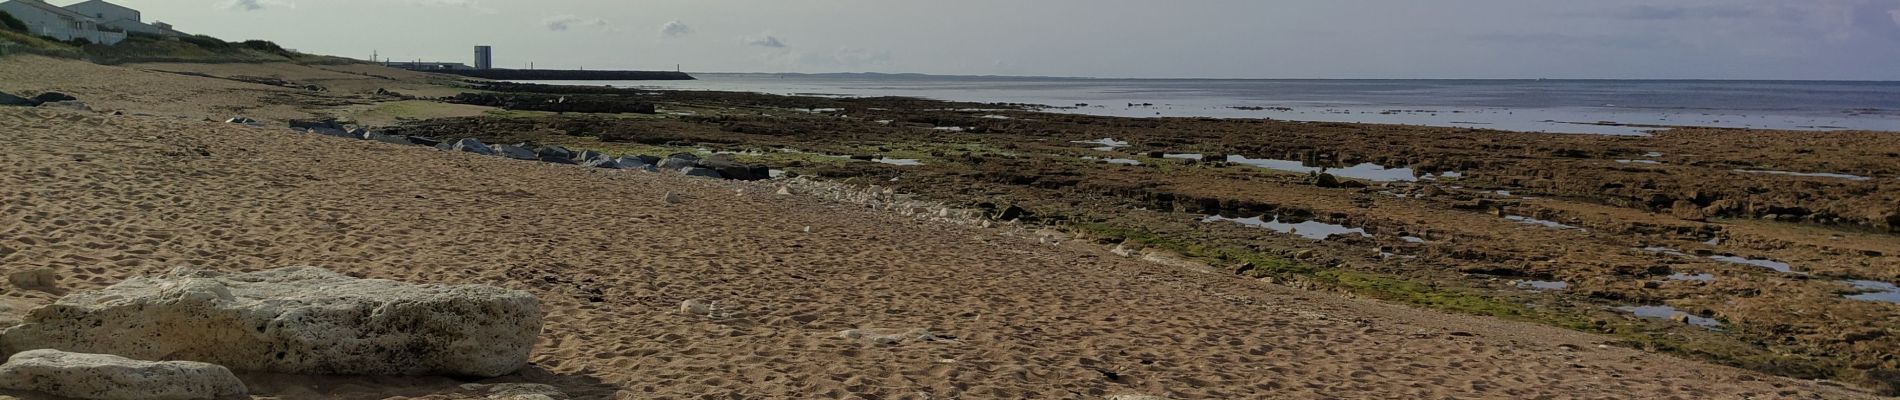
x=52, y=9
x=135, y=12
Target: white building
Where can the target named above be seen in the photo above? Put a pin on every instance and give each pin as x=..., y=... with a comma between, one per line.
x=97, y=21
x=115, y=16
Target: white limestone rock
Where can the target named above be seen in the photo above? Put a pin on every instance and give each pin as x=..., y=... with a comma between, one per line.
x=300, y=320
x=110, y=377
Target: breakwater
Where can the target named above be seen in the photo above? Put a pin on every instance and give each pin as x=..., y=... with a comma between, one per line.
x=569, y=75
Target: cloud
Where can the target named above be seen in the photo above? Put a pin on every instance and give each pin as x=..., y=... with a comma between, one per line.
x=1667, y=13
x=765, y=41
x=563, y=23
x=256, y=5
x=1546, y=39
x=472, y=5
x=1895, y=13
x=674, y=29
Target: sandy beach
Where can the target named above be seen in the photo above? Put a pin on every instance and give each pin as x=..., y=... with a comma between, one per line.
x=982, y=312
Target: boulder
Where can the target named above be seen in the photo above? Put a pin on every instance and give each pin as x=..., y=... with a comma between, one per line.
x=702, y=172
x=597, y=160
x=555, y=154
x=517, y=152
x=637, y=162
x=585, y=155
x=241, y=120
x=473, y=146
x=1009, y=213
x=733, y=169
x=110, y=377
x=679, y=162
x=298, y=320
x=1322, y=179
x=52, y=97
x=11, y=100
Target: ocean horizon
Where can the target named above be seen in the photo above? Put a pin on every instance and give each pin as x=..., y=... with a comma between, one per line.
x=1606, y=106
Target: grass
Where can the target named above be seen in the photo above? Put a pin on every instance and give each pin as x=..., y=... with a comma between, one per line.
x=146, y=48
x=36, y=45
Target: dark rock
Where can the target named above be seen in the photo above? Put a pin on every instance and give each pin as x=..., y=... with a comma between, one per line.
x=555, y=154
x=1323, y=180
x=636, y=162
x=473, y=146
x=314, y=124
x=733, y=169
x=375, y=136
x=11, y=100
x=1009, y=213
x=50, y=97
x=702, y=172
x=679, y=162
x=586, y=155
x=516, y=152
x=557, y=103
x=597, y=160
x=423, y=141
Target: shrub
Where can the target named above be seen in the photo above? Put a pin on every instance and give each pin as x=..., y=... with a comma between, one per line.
x=264, y=46
x=79, y=41
x=10, y=23
x=205, y=42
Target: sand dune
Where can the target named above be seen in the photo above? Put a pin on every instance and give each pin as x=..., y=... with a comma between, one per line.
x=101, y=198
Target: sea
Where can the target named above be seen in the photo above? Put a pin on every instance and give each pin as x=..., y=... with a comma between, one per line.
x=1606, y=107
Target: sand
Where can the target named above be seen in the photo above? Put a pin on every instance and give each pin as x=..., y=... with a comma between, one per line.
x=101, y=198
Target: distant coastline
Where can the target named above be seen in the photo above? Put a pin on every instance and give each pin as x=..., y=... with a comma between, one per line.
x=568, y=75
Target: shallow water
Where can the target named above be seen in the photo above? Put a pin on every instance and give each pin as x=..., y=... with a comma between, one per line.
x=1692, y=277
x=1650, y=162
x=1314, y=230
x=1875, y=291
x=1534, y=221
x=1412, y=239
x=1543, y=285
x=1184, y=156
x=1667, y=312
x=1856, y=178
x=1363, y=171
x=1106, y=144
x=900, y=161
x=1665, y=250
x=1117, y=161
x=1769, y=264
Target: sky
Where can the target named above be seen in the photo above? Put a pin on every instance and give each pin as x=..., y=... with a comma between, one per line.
x=1400, y=39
